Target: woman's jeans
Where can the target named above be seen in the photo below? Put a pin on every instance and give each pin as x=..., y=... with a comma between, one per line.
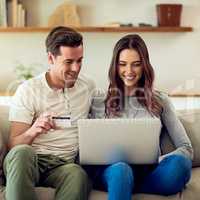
x=121, y=180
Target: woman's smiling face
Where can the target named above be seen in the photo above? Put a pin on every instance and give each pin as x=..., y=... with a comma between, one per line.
x=130, y=68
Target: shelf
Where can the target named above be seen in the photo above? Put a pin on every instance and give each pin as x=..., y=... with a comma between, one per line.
x=185, y=95
x=101, y=29
x=6, y=94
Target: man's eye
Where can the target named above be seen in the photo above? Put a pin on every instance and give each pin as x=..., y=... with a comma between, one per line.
x=68, y=62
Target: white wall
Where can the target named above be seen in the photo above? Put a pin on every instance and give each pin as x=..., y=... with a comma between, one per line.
x=175, y=56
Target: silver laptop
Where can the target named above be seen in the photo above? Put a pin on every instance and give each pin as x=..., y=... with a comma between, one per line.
x=106, y=141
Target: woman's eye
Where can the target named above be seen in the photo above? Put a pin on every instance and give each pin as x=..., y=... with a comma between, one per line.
x=122, y=64
x=136, y=64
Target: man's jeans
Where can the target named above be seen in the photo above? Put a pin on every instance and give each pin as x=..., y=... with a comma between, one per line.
x=24, y=170
x=121, y=179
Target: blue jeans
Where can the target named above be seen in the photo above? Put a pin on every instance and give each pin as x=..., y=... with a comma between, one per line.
x=121, y=180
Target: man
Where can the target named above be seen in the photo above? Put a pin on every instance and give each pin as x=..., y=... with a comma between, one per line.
x=44, y=137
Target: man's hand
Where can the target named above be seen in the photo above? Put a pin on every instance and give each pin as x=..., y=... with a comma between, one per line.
x=22, y=133
x=42, y=125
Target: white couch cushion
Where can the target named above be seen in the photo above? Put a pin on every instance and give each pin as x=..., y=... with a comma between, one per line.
x=191, y=121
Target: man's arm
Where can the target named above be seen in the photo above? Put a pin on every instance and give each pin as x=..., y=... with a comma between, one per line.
x=19, y=134
x=23, y=133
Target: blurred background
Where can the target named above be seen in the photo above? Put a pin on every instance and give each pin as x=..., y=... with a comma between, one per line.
x=175, y=56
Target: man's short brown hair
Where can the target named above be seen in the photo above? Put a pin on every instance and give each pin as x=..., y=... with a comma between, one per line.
x=62, y=36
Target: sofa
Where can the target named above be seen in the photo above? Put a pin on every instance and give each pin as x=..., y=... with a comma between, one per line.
x=191, y=122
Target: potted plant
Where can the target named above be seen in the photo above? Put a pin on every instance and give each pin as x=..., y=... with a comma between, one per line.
x=23, y=72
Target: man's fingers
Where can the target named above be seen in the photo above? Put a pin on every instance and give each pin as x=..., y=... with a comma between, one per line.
x=40, y=130
x=45, y=125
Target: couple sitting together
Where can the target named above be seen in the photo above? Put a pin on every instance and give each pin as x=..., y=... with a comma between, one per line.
x=41, y=154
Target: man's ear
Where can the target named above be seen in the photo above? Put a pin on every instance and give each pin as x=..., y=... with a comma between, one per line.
x=50, y=58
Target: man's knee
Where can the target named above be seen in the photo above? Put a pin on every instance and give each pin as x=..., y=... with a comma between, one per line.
x=72, y=182
x=20, y=154
x=76, y=177
x=21, y=151
x=78, y=174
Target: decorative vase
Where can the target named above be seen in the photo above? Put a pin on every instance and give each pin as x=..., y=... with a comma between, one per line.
x=169, y=14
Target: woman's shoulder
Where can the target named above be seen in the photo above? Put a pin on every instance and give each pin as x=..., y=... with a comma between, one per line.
x=98, y=104
x=165, y=101
x=163, y=97
x=99, y=97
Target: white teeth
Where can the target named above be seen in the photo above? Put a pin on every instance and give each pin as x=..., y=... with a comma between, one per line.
x=70, y=77
x=129, y=77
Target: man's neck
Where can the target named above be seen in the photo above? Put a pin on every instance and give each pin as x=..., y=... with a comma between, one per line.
x=52, y=82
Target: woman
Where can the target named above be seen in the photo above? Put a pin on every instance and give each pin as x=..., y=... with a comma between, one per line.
x=131, y=95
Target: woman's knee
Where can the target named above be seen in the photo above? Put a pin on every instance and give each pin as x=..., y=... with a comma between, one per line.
x=120, y=172
x=177, y=174
x=181, y=165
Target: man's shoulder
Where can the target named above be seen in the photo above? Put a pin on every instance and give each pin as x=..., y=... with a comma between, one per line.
x=33, y=82
x=86, y=80
x=39, y=79
x=30, y=86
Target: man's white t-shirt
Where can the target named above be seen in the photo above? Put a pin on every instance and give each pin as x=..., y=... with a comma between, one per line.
x=34, y=97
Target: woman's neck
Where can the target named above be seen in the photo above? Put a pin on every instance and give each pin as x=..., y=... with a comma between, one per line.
x=129, y=91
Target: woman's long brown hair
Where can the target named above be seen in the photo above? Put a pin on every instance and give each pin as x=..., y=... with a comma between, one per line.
x=144, y=92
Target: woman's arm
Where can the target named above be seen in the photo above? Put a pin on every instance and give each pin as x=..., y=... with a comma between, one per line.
x=175, y=129
x=97, y=109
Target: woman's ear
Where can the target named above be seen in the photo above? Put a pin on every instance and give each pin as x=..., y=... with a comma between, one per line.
x=50, y=58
